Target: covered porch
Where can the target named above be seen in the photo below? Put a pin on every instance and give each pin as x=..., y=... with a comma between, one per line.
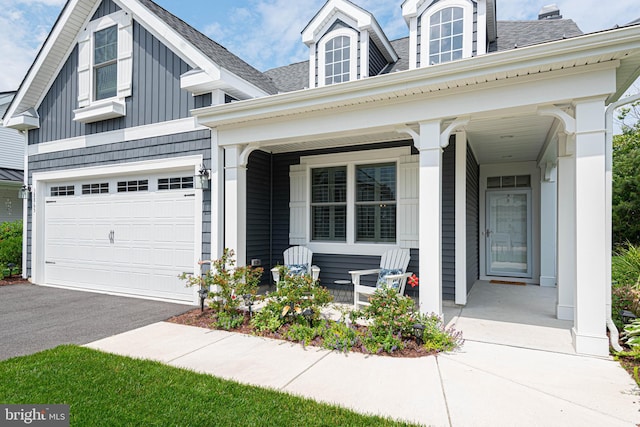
x=499, y=172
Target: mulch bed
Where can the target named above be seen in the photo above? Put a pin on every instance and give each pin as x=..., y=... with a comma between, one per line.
x=13, y=280
x=204, y=320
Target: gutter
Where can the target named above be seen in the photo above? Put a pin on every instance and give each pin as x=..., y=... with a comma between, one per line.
x=613, y=331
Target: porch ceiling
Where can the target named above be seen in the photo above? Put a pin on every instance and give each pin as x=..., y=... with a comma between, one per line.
x=509, y=139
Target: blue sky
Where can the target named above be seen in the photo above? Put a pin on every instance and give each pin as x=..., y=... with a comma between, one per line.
x=266, y=33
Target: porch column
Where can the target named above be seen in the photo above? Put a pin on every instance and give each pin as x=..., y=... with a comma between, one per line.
x=548, y=208
x=217, y=197
x=430, y=223
x=235, y=204
x=566, y=227
x=589, y=331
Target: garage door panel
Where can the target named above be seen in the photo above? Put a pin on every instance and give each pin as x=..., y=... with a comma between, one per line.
x=153, y=242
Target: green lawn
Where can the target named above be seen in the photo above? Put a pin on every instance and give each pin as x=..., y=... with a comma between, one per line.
x=109, y=390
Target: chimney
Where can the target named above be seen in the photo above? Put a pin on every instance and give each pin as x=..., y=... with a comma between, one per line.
x=549, y=12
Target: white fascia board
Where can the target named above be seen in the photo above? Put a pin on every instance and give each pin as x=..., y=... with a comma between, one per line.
x=127, y=134
x=45, y=55
x=612, y=43
x=362, y=18
x=103, y=110
x=378, y=35
x=22, y=122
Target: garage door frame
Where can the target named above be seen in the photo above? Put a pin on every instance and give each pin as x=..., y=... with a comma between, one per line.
x=41, y=181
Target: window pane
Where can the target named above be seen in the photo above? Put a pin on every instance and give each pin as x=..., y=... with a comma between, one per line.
x=457, y=27
x=447, y=14
x=434, y=47
x=106, y=45
x=457, y=42
x=435, y=18
x=376, y=202
x=446, y=29
x=457, y=13
x=434, y=59
x=456, y=55
x=106, y=81
x=435, y=32
x=329, y=223
x=337, y=65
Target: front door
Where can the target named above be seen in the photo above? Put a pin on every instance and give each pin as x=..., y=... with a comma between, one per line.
x=508, y=233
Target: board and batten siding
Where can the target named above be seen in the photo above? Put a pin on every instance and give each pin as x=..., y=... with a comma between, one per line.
x=449, y=221
x=259, y=218
x=156, y=94
x=107, y=7
x=473, y=219
x=164, y=147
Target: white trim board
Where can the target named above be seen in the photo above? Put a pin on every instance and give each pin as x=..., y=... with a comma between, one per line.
x=128, y=134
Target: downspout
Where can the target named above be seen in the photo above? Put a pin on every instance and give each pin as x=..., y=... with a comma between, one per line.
x=613, y=331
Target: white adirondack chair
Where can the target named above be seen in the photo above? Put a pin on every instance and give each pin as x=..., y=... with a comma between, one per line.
x=392, y=273
x=297, y=259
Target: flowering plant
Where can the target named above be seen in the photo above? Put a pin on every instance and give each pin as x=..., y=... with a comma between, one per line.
x=414, y=281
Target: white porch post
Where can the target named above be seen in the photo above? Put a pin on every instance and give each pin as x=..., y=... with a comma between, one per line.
x=430, y=218
x=461, y=218
x=548, y=209
x=235, y=204
x=217, y=198
x=566, y=228
x=589, y=331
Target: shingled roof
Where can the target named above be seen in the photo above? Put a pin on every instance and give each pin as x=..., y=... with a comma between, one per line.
x=514, y=34
x=218, y=53
x=511, y=34
x=11, y=175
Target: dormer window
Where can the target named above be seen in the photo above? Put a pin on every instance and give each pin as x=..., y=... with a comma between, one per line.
x=446, y=32
x=337, y=59
x=105, y=54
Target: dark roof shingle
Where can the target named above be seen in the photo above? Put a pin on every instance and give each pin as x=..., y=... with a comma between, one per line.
x=216, y=52
x=11, y=175
x=513, y=34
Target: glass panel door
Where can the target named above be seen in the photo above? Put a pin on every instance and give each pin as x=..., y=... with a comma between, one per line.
x=508, y=233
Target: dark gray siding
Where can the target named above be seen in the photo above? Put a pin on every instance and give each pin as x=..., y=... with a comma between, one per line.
x=449, y=221
x=191, y=143
x=259, y=210
x=155, y=67
x=473, y=219
x=333, y=267
x=107, y=7
x=377, y=61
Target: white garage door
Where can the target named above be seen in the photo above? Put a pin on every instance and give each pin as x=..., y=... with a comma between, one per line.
x=131, y=242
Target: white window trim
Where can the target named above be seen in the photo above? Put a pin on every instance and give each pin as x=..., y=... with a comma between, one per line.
x=353, y=46
x=467, y=32
x=351, y=160
x=92, y=110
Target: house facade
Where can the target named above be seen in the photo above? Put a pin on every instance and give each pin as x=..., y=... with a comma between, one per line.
x=478, y=144
x=12, y=145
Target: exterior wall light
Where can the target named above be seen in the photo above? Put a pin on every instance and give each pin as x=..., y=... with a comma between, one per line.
x=24, y=192
x=202, y=178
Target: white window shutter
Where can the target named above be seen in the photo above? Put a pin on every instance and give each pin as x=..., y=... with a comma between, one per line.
x=298, y=205
x=125, y=55
x=408, y=201
x=84, y=70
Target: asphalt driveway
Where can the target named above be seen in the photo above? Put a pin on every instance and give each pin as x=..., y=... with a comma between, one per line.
x=35, y=318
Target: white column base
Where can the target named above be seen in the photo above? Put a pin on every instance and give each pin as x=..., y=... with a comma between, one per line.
x=547, y=281
x=565, y=312
x=590, y=345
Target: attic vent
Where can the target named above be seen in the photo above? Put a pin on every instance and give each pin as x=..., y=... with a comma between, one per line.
x=549, y=12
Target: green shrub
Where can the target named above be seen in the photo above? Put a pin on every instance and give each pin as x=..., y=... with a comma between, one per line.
x=11, y=243
x=305, y=333
x=298, y=300
x=625, y=275
x=340, y=336
x=631, y=334
x=226, y=284
x=436, y=337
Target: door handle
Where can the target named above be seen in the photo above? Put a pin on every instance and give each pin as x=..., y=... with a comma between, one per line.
x=488, y=232
x=112, y=236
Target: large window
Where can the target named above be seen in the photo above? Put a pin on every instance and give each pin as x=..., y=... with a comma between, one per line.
x=376, y=203
x=446, y=35
x=329, y=204
x=371, y=208
x=105, y=58
x=337, y=64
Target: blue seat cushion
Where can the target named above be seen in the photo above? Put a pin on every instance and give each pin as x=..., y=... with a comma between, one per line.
x=382, y=277
x=297, y=269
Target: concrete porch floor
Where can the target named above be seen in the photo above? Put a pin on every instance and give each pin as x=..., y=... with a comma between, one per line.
x=513, y=315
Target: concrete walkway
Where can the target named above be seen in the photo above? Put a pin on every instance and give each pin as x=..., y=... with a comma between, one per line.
x=483, y=384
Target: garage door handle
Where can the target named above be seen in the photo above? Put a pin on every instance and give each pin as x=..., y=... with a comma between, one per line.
x=112, y=236
x=49, y=262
